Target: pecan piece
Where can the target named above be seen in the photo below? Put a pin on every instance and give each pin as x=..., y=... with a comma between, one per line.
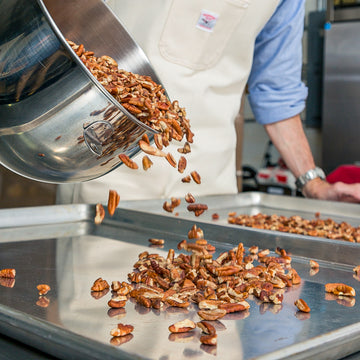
x=186, y=179
x=154, y=241
x=146, y=163
x=8, y=273
x=122, y=330
x=113, y=202
x=171, y=160
x=212, y=314
x=117, y=302
x=43, y=289
x=215, y=216
x=99, y=214
x=196, y=177
x=198, y=209
x=150, y=150
x=195, y=233
x=182, y=326
x=182, y=164
x=145, y=136
x=128, y=162
x=100, y=285
x=189, y=198
x=235, y=307
x=302, y=305
x=206, y=327
x=158, y=141
x=185, y=149
x=340, y=289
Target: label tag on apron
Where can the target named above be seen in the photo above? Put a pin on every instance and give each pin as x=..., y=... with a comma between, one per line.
x=207, y=20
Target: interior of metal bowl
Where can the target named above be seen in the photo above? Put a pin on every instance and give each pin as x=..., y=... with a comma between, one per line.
x=49, y=97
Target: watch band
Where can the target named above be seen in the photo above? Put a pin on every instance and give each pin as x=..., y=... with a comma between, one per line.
x=312, y=174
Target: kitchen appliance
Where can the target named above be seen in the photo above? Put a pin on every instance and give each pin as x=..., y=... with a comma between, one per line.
x=57, y=123
x=341, y=106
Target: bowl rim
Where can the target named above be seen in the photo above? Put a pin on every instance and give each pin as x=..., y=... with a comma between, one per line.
x=91, y=77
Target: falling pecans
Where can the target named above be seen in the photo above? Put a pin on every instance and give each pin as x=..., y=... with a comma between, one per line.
x=99, y=214
x=113, y=201
x=128, y=162
x=146, y=163
x=43, y=289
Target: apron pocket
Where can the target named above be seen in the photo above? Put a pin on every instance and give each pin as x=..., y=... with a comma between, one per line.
x=196, y=32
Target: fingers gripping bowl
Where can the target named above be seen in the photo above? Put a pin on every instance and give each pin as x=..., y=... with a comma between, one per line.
x=58, y=123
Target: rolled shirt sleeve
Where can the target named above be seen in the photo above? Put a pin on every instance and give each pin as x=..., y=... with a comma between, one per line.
x=276, y=91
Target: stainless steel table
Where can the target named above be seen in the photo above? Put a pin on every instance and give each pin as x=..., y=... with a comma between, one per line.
x=61, y=246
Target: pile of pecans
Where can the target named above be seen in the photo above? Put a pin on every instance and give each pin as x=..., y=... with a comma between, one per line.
x=142, y=97
x=297, y=225
x=216, y=286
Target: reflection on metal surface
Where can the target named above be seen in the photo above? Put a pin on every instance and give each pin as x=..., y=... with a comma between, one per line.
x=96, y=133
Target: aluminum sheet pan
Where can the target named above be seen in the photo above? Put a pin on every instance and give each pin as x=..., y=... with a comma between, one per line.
x=61, y=246
x=252, y=203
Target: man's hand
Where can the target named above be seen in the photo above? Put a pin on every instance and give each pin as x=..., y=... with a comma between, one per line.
x=339, y=191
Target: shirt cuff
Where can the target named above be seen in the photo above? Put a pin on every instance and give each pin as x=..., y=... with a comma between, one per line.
x=271, y=106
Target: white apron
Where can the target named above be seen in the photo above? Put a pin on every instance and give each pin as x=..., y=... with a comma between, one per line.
x=205, y=67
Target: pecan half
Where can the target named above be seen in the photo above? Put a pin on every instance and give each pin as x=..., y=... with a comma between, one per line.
x=150, y=150
x=182, y=164
x=156, y=241
x=117, y=302
x=158, y=141
x=185, y=149
x=206, y=327
x=43, y=289
x=189, y=198
x=113, y=202
x=122, y=330
x=171, y=160
x=100, y=285
x=212, y=314
x=196, y=177
x=182, y=326
x=8, y=273
x=340, y=289
x=99, y=214
x=302, y=305
x=128, y=162
x=146, y=163
x=186, y=179
x=235, y=307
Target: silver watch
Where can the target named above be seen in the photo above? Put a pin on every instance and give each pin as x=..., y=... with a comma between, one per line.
x=312, y=174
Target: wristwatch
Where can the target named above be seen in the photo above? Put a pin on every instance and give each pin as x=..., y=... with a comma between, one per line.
x=312, y=174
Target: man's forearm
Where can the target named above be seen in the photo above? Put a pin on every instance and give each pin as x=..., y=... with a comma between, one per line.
x=289, y=138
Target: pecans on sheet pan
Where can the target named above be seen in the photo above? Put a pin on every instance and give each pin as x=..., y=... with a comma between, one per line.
x=327, y=228
x=215, y=287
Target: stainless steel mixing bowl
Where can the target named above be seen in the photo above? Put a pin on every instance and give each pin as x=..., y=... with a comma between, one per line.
x=57, y=123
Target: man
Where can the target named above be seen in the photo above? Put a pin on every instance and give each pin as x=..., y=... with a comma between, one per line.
x=205, y=52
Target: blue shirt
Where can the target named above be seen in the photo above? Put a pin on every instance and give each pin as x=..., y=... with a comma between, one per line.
x=275, y=88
